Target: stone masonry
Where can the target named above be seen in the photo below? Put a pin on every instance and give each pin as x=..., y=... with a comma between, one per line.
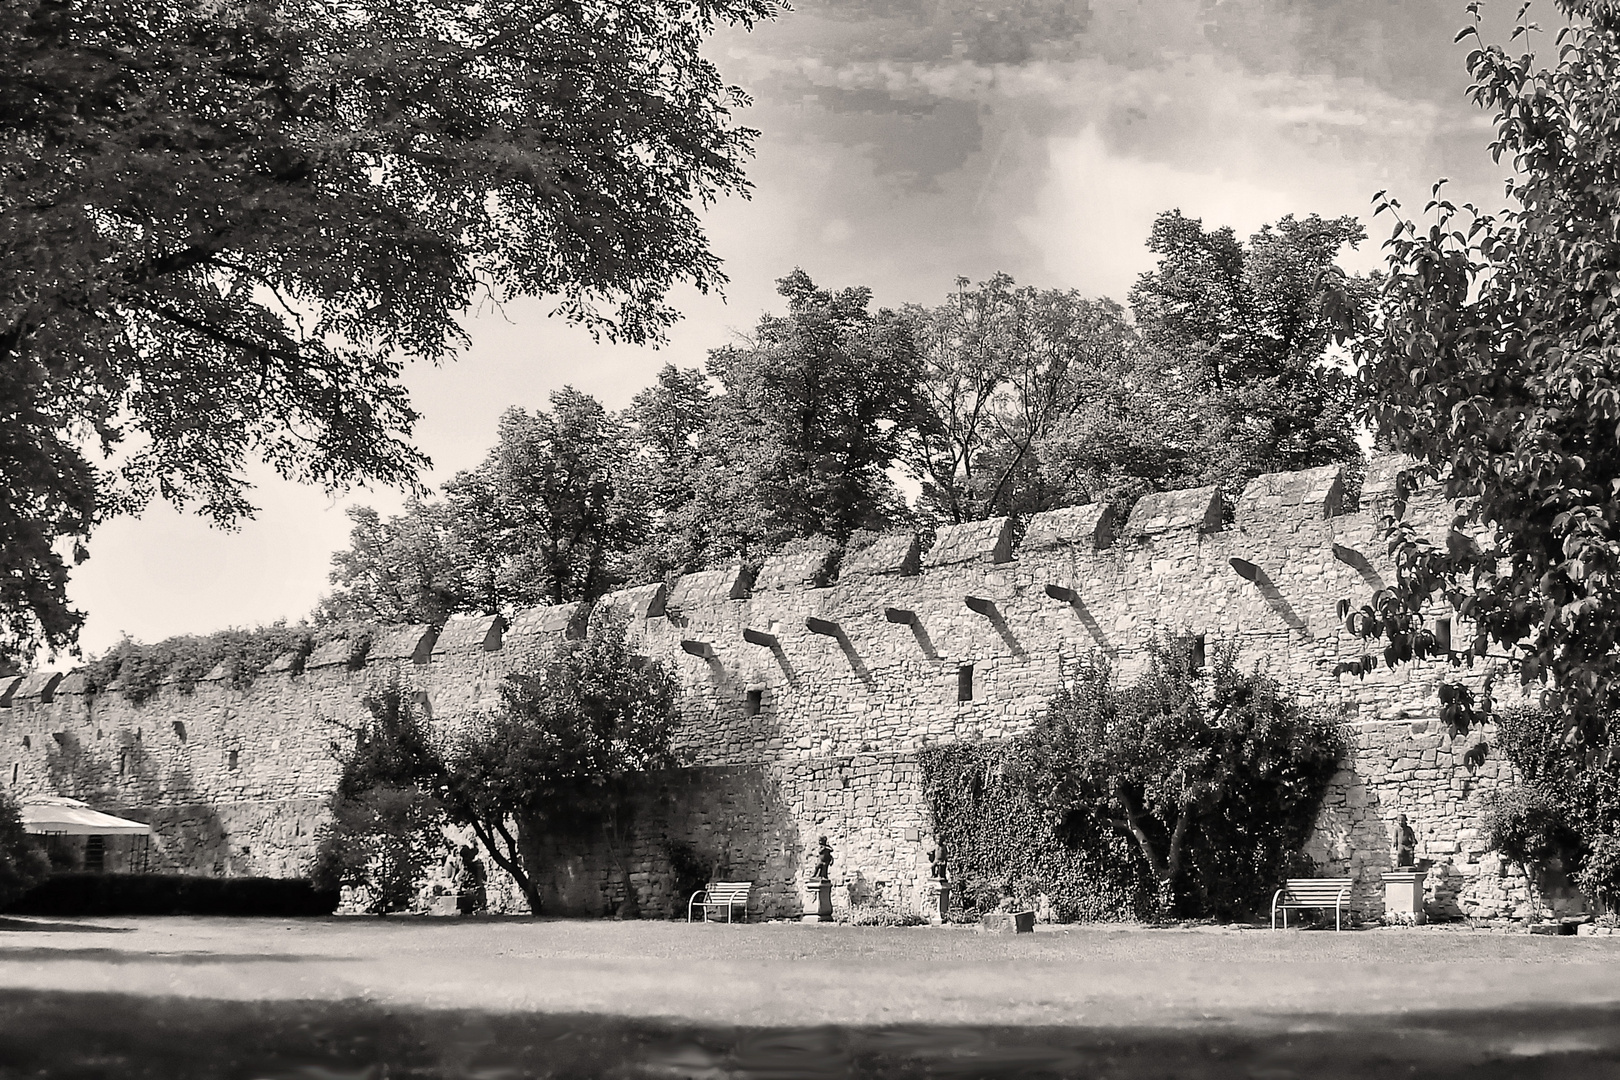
x=806, y=697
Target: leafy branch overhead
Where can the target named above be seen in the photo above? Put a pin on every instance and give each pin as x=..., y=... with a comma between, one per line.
x=1491, y=357
x=225, y=227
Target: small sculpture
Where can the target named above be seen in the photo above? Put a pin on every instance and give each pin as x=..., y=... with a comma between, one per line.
x=1405, y=844
x=936, y=862
x=824, y=861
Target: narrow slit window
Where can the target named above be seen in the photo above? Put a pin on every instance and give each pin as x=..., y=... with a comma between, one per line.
x=233, y=759
x=753, y=702
x=15, y=767
x=964, y=683
x=180, y=730
x=1442, y=634
x=1197, y=658
x=123, y=762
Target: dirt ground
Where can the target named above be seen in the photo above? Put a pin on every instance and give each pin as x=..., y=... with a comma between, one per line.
x=365, y=999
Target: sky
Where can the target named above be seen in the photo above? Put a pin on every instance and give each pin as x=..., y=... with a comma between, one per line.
x=904, y=144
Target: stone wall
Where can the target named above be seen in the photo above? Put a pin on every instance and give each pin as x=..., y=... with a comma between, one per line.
x=805, y=702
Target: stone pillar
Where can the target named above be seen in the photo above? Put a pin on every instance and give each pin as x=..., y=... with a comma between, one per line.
x=817, y=901
x=936, y=902
x=1403, y=896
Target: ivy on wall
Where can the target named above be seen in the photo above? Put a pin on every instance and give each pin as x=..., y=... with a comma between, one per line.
x=137, y=670
x=999, y=844
x=1561, y=818
x=1188, y=792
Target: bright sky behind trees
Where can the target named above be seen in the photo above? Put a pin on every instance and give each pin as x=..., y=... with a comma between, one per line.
x=904, y=143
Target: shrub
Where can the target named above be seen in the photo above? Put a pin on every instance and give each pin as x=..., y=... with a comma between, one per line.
x=1000, y=844
x=139, y=669
x=1563, y=811
x=1187, y=792
x=386, y=827
x=80, y=893
x=22, y=863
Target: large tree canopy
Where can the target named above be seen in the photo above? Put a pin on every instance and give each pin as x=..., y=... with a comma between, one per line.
x=223, y=226
x=1494, y=359
x=1239, y=335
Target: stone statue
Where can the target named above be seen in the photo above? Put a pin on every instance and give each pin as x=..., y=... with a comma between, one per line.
x=824, y=861
x=936, y=862
x=1405, y=844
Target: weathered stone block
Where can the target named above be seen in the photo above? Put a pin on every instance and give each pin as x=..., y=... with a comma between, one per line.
x=1199, y=509
x=283, y=663
x=638, y=601
x=800, y=570
x=413, y=643
x=1387, y=485
x=988, y=542
x=1089, y=527
x=332, y=654
x=708, y=587
x=37, y=686
x=1007, y=922
x=472, y=635
x=73, y=683
x=1301, y=496
x=894, y=553
x=552, y=620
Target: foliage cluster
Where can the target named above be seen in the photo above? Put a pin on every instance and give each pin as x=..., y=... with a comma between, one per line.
x=23, y=863
x=137, y=670
x=559, y=756
x=1186, y=792
x=84, y=893
x=1000, y=844
x=1005, y=399
x=386, y=825
x=227, y=225
x=1563, y=813
x=1492, y=356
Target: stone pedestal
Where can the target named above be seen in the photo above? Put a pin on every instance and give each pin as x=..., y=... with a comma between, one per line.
x=936, y=902
x=1403, y=896
x=817, y=901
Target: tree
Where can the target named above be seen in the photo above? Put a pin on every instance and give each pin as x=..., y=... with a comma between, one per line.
x=669, y=423
x=222, y=225
x=555, y=504
x=814, y=408
x=1216, y=776
x=560, y=756
x=411, y=568
x=1239, y=335
x=547, y=518
x=563, y=752
x=1493, y=358
x=22, y=864
x=386, y=822
x=1006, y=371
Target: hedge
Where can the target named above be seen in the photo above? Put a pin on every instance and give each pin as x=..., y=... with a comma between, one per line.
x=78, y=893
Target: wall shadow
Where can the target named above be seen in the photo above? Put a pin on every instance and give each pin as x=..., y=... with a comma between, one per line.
x=55, y=1033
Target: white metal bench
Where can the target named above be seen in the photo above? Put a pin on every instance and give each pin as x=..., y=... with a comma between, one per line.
x=721, y=894
x=1320, y=893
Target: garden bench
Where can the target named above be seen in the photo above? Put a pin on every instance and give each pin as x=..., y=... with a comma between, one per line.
x=721, y=894
x=1320, y=893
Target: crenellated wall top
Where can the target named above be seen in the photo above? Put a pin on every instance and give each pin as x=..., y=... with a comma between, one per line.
x=1274, y=504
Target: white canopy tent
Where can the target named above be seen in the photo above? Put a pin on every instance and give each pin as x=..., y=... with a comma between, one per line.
x=54, y=816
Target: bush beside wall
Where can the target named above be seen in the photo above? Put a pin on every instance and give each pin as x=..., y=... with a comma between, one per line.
x=173, y=894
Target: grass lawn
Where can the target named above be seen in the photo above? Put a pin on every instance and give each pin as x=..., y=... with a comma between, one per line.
x=507, y=998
